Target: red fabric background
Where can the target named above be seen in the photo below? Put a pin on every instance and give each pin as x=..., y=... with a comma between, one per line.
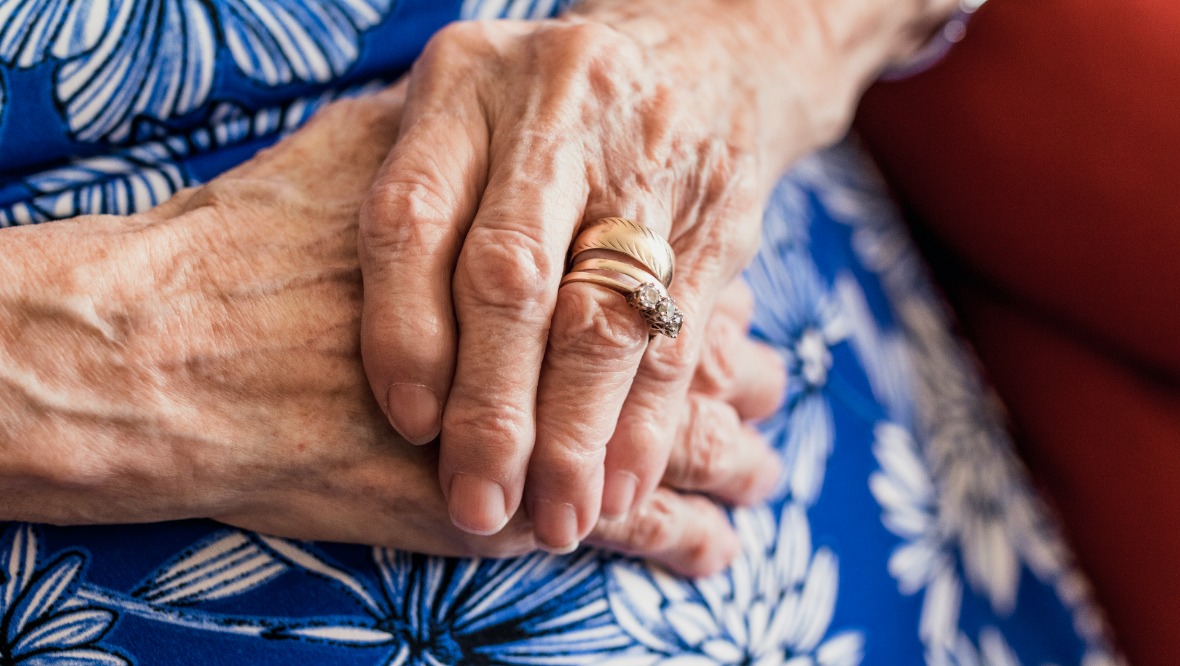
x=1044, y=157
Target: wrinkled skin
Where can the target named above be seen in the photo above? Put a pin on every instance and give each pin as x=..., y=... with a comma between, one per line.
x=552, y=123
x=677, y=115
x=202, y=360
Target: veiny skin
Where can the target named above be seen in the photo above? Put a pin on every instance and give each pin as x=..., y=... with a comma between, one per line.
x=679, y=115
x=202, y=360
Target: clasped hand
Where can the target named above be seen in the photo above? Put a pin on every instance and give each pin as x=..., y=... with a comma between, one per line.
x=202, y=360
x=515, y=135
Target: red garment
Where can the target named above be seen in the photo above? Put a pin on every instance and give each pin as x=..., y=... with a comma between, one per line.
x=1044, y=153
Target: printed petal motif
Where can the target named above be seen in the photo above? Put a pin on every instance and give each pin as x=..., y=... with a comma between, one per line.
x=130, y=65
x=72, y=628
x=76, y=657
x=281, y=41
x=135, y=179
x=154, y=62
x=225, y=565
x=537, y=609
x=992, y=650
x=18, y=557
x=805, y=328
x=509, y=9
x=43, y=619
x=304, y=557
x=132, y=181
x=950, y=484
x=33, y=30
x=339, y=634
x=774, y=605
x=40, y=598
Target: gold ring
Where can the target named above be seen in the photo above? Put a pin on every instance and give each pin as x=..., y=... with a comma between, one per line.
x=632, y=239
x=642, y=290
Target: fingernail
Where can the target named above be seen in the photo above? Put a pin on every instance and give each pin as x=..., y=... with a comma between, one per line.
x=619, y=494
x=414, y=411
x=477, y=505
x=556, y=526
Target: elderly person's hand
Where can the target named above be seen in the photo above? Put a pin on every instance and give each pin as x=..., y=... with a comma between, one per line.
x=202, y=360
x=517, y=135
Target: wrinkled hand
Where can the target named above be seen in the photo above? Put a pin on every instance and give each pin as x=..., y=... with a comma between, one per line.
x=515, y=135
x=202, y=360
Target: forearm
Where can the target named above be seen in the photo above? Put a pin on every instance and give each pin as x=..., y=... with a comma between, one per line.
x=782, y=77
x=75, y=405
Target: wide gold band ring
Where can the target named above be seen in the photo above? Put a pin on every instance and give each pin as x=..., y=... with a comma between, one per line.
x=618, y=234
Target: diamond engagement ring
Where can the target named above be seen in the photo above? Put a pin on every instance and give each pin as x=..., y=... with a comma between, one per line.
x=658, y=309
x=633, y=261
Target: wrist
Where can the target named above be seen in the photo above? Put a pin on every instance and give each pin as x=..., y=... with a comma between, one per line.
x=783, y=78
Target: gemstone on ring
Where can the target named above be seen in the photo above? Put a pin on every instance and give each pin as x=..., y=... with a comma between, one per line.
x=658, y=309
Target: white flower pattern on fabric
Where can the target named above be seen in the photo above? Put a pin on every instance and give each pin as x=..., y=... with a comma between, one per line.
x=992, y=650
x=140, y=177
x=445, y=611
x=982, y=513
x=773, y=606
x=909, y=500
x=44, y=621
x=129, y=66
x=539, y=609
x=510, y=9
x=32, y=31
x=804, y=330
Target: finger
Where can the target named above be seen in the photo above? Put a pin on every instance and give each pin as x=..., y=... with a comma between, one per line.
x=505, y=287
x=411, y=230
x=708, y=257
x=716, y=454
x=747, y=374
x=736, y=302
x=689, y=535
x=595, y=344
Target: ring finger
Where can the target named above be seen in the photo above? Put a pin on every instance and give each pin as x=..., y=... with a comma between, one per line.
x=595, y=346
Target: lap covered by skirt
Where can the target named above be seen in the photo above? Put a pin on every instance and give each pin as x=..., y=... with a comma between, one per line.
x=905, y=530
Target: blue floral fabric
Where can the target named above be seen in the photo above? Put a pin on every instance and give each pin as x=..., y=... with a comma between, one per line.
x=905, y=531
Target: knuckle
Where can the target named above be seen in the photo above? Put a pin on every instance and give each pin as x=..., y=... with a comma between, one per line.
x=506, y=269
x=589, y=328
x=671, y=362
x=710, y=425
x=407, y=217
x=716, y=373
x=589, y=60
x=497, y=426
x=589, y=41
x=455, y=39
x=653, y=527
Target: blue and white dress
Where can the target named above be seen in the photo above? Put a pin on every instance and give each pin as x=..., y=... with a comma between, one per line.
x=906, y=531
